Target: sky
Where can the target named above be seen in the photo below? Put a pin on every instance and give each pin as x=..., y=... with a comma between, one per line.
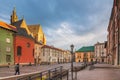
x=64, y=22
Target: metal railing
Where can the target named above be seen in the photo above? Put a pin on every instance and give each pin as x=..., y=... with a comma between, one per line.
x=52, y=74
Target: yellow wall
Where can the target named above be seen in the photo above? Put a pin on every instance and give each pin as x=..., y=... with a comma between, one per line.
x=80, y=56
x=41, y=36
x=24, y=25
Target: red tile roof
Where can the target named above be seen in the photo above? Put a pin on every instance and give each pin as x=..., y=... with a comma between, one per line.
x=51, y=47
x=7, y=26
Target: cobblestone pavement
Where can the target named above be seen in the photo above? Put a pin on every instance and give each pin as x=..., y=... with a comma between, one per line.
x=4, y=72
x=101, y=72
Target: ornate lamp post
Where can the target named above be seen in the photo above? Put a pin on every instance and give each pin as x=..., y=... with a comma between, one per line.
x=49, y=60
x=72, y=46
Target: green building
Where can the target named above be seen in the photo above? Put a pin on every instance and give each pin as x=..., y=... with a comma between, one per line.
x=6, y=44
x=85, y=54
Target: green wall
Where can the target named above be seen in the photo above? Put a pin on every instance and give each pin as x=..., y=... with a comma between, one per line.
x=3, y=44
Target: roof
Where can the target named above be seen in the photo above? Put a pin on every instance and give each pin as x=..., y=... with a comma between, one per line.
x=86, y=49
x=35, y=28
x=98, y=43
x=52, y=47
x=21, y=31
x=18, y=23
x=7, y=26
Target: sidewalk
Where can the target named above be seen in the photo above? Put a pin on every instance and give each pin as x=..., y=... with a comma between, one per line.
x=100, y=72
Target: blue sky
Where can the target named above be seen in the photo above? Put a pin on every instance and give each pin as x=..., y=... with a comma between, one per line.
x=64, y=22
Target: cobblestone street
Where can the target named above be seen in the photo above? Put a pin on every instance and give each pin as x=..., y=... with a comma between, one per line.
x=99, y=72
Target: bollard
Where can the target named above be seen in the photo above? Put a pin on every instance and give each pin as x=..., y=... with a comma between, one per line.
x=68, y=75
x=55, y=70
x=29, y=78
x=75, y=73
x=40, y=76
x=61, y=72
x=48, y=74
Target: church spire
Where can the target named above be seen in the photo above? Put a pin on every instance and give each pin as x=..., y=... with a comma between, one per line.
x=14, y=17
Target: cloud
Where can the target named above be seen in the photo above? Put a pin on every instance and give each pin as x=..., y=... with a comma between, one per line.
x=4, y=17
x=64, y=36
x=65, y=22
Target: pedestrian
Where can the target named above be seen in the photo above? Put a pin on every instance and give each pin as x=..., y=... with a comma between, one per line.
x=17, y=70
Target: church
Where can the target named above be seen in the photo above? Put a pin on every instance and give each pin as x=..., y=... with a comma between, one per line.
x=25, y=39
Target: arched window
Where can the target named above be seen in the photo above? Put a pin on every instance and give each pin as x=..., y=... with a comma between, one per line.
x=19, y=51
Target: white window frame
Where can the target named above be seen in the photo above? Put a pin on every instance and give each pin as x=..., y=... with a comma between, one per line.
x=8, y=49
x=8, y=40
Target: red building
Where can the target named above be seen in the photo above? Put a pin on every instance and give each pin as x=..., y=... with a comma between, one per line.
x=113, y=44
x=23, y=41
x=24, y=48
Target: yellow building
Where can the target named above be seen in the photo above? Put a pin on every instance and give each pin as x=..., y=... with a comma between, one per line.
x=85, y=54
x=37, y=33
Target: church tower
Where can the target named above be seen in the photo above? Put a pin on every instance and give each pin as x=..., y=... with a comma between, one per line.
x=14, y=17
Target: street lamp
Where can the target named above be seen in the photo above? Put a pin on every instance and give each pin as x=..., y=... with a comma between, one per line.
x=72, y=46
x=49, y=60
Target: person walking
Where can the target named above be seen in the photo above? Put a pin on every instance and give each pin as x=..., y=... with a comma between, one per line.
x=17, y=70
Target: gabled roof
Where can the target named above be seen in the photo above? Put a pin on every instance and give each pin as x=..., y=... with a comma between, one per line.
x=7, y=26
x=17, y=23
x=35, y=28
x=21, y=31
x=86, y=49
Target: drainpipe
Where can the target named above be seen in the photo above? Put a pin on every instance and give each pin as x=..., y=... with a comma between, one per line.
x=118, y=32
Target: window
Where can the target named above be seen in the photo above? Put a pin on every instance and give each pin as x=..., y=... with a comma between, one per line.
x=8, y=58
x=28, y=45
x=44, y=52
x=8, y=40
x=8, y=49
x=36, y=47
x=19, y=50
x=33, y=53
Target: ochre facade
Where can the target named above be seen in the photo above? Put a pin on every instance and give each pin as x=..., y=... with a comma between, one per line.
x=84, y=56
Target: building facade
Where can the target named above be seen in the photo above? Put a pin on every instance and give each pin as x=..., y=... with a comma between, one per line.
x=6, y=44
x=37, y=52
x=52, y=54
x=113, y=35
x=85, y=54
x=100, y=52
x=23, y=41
x=66, y=56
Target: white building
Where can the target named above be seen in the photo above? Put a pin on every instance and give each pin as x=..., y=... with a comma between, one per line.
x=100, y=52
x=52, y=54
